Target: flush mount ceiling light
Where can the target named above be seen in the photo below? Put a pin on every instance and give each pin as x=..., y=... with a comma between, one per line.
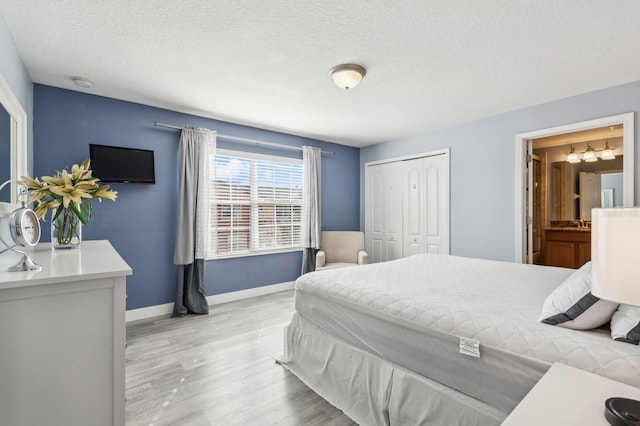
x=347, y=76
x=85, y=83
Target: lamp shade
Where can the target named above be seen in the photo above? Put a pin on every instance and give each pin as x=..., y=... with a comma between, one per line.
x=615, y=262
x=572, y=156
x=589, y=155
x=607, y=153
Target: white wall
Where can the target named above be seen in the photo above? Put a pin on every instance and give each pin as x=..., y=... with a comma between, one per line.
x=483, y=164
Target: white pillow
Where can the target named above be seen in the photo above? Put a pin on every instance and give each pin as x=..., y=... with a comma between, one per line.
x=572, y=305
x=625, y=324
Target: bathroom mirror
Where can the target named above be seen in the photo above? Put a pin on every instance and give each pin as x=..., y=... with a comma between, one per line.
x=13, y=140
x=577, y=188
x=5, y=145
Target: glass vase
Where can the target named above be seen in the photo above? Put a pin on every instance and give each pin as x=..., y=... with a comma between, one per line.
x=66, y=230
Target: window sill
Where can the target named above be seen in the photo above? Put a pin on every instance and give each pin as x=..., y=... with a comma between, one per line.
x=255, y=253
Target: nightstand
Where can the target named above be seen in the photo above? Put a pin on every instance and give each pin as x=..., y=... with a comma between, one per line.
x=568, y=396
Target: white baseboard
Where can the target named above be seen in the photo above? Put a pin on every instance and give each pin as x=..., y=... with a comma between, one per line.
x=216, y=299
x=149, y=312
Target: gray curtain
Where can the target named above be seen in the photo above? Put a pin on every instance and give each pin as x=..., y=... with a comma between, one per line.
x=311, y=207
x=191, y=242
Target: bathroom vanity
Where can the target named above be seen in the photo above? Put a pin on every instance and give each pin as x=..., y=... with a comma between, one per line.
x=568, y=247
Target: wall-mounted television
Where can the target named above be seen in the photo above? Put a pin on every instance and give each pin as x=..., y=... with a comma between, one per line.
x=119, y=164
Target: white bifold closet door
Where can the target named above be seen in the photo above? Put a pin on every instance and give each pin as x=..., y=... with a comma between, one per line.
x=407, y=207
x=383, y=218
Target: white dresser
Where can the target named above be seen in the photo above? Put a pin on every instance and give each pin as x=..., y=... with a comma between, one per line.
x=62, y=337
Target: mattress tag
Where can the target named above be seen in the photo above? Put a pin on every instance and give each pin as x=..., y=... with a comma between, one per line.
x=469, y=347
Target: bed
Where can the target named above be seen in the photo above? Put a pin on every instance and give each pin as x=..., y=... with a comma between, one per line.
x=434, y=339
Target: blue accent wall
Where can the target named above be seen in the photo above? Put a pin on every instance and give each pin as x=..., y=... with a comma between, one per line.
x=483, y=164
x=141, y=224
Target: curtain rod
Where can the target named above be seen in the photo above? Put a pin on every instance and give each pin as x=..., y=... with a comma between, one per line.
x=244, y=140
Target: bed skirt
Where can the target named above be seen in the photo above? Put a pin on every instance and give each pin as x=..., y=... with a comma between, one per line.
x=374, y=391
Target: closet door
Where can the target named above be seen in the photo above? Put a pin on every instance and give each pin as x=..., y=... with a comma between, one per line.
x=425, y=205
x=407, y=207
x=383, y=212
x=436, y=215
x=413, y=206
x=374, y=199
x=392, y=212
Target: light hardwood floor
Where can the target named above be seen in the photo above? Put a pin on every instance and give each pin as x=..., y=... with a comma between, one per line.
x=219, y=369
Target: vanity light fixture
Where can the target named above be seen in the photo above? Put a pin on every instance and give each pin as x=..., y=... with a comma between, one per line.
x=347, y=76
x=572, y=156
x=82, y=82
x=590, y=155
x=607, y=153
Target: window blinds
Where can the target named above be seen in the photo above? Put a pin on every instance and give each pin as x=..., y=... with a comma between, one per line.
x=256, y=203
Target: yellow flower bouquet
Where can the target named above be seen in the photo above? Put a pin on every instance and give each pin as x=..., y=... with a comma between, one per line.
x=69, y=196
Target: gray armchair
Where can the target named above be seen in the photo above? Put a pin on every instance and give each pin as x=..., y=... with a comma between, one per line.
x=341, y=248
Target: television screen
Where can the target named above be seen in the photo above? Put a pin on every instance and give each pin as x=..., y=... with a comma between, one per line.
x=117, y=164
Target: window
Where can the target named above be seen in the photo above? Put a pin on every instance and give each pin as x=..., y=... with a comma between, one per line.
x=255, y=204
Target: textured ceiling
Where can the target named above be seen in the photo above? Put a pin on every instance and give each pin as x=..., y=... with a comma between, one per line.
x=430, y=63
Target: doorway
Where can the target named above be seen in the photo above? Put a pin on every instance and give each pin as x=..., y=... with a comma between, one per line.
x=566, y=191
x=527, y=191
